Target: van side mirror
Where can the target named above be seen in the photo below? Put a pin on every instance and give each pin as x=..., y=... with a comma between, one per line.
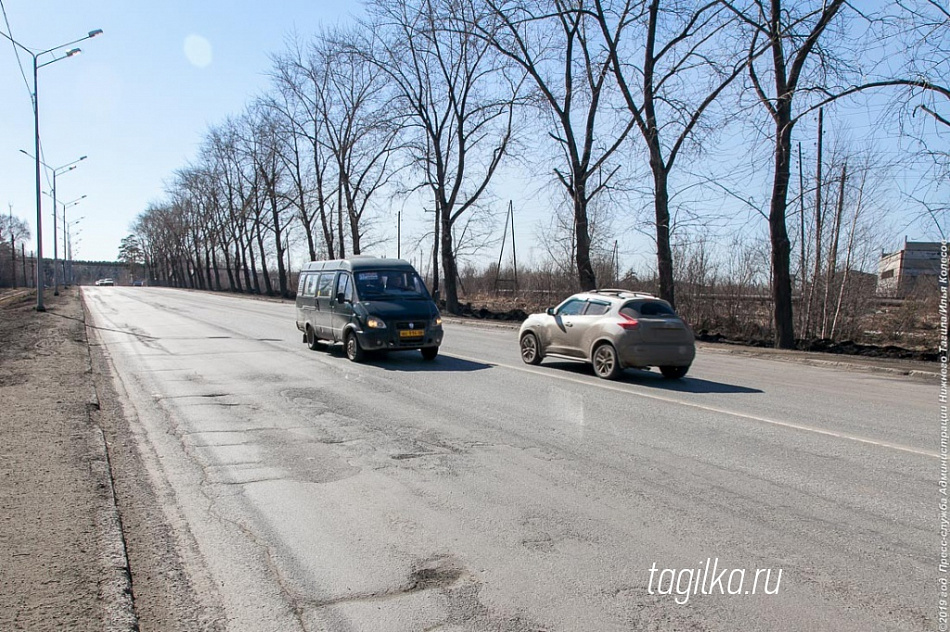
x=340, y=297
x=549, y=311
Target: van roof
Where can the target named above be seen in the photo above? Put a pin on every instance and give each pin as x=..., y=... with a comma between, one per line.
x=357, y=262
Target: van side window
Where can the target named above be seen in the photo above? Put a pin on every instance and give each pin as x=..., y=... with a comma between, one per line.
x=311, y=285
x=301, y=284
x=343, y=286
x=326, y=284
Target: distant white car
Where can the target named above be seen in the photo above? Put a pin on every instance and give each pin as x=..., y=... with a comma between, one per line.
x=105, y=282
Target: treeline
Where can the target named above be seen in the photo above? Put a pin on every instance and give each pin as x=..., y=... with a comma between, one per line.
x=434, y=97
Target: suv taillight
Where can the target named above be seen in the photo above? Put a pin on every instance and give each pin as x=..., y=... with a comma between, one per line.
x=628, y=322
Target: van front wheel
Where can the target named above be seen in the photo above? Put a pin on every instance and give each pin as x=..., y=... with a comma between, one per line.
x=353, y=349
x=429, y=353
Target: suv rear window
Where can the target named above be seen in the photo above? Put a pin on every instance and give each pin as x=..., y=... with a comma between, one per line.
x=647, y=308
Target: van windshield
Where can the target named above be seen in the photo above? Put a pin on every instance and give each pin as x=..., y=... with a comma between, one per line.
x=390, y=284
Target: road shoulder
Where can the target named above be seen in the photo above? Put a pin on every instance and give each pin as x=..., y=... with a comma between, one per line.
x=63, y=556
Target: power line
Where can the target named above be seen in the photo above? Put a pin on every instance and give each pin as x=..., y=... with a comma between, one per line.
x=16, y=52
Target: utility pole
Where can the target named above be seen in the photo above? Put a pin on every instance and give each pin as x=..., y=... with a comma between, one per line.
x=12, y=248
x=435, y=254
x=616, y=262
x=509, y=220
x=804, y=248
x=818, y=224
x=399, y=234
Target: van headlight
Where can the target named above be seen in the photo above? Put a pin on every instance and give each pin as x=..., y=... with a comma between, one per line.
x=437, y=321
x=375, y=323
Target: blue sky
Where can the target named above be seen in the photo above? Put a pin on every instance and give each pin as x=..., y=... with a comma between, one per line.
x=133, y=101
x=140, y=98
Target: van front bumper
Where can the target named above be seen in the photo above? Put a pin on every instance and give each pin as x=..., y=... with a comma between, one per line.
x=389, y=339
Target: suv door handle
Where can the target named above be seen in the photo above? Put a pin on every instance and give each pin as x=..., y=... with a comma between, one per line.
x=568, y=324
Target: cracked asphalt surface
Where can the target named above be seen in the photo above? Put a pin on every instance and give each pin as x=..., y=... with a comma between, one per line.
x=305, y=492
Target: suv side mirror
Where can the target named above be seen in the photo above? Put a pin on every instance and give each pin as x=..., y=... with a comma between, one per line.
x=549, y=311
x=340, y=298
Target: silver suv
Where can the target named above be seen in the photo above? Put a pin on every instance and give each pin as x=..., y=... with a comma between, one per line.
x=613, y=330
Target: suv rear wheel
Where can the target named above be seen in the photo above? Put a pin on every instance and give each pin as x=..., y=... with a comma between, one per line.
x=606, y=364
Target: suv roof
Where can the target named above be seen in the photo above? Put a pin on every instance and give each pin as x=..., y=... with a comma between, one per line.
x=620, y=294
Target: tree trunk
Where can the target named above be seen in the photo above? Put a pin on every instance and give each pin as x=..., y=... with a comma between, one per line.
x=585, y=270
x=260, y=245
x=281, y=271
x=781, y=247
x=207, y=263
x=227, y=266
x=664, y=253
x=449, y=266
x=341, y=247
x=217, y=270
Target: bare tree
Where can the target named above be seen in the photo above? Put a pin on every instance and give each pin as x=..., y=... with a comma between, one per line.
x=558, y=45
x=800, y=64
x=792, y=38
x=302, y=82
x=685, y=63
x=359, y=125
x=457, y=107
x=13, y=231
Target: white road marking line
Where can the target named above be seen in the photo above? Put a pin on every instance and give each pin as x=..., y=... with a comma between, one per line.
x=714, y=409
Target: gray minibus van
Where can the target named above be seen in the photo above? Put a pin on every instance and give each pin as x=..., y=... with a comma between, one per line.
x=368, y=304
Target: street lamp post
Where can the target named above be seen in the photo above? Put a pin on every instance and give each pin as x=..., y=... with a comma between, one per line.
x=65, y=205
x=57, y=171
x=66, y=276
x=36, y=145
x=68, y=247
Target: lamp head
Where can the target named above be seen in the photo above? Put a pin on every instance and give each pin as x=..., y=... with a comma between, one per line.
x=73, y=52
x=95, y=33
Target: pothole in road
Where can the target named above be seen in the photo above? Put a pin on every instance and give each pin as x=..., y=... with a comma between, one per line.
x=440, y=571
x=410, y=455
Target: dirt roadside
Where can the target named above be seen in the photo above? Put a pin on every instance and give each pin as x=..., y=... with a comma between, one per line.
x=84, y=541
x=62, y=558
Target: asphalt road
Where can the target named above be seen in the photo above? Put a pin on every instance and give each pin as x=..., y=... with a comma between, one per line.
x=478, y=493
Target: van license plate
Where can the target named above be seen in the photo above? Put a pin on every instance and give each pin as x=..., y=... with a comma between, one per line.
x=411, y=333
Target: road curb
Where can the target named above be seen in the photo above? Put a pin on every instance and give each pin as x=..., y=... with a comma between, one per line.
x=115, y=586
